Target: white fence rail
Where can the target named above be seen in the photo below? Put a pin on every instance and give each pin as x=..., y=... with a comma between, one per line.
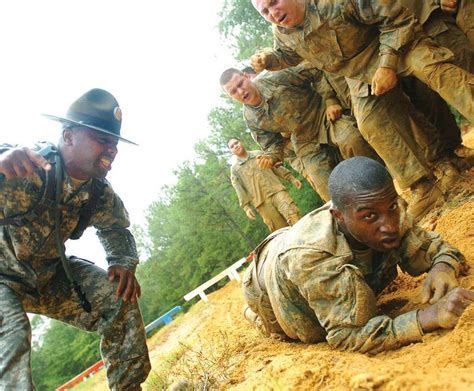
x=230, y=272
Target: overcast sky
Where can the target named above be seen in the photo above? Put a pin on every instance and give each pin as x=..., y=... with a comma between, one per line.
x=161, y=60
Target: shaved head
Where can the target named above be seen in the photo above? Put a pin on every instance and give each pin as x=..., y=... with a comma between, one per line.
x=355, y=176
x=227, y=75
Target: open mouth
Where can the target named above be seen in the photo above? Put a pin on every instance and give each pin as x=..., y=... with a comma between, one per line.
x=106, y=163
x=246, y=95
x=392, y=241
x=282, y=18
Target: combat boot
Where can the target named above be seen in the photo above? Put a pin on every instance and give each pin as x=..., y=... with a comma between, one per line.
x=447, y=174
x=425, y=196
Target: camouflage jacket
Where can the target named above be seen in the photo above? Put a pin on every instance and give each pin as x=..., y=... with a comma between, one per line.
x=433, y=23
x=254, y=185
x=465, y=18
x=290, y=104
x=319, y=282
x=346, y=37
x=28, y=253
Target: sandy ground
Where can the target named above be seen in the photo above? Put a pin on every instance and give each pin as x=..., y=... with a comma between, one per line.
x=218, y=349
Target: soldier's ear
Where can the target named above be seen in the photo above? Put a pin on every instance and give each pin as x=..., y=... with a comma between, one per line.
x=67, y=136
x=337, y=214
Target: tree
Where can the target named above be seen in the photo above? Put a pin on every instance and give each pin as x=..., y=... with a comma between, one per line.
x=244, y=28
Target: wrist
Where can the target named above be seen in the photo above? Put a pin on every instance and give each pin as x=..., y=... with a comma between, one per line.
x=428, y=318
x=446, y=264
x=388, y=60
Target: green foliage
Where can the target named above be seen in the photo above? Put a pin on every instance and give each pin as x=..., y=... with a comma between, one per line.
x=244, y=29
x=64, y=352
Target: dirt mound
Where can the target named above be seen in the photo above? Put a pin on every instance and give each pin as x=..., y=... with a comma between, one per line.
x=222, y=350
x=213, y=347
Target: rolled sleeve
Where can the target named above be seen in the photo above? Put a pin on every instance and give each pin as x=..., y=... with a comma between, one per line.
x=388, y=60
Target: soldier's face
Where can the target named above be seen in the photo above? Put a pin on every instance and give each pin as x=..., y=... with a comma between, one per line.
x=284, y=13
x=236, y=147
x=373, y=219
x=90, y=153
x=242, y=89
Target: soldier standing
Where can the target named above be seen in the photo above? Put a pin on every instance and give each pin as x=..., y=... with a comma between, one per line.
x=48, y=195
x=261, y=188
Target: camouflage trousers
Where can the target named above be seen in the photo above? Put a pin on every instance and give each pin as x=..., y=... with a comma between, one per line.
x=318, y=160
x=389, y=123
x=442, y=139
x=278, y=211
x=465, y=19
x=433, y=65
x=443, y=29
x=279, y=313
x=123, y=343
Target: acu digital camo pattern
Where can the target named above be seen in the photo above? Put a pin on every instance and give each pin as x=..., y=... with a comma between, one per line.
x=319, y=288
x=29, y=252
x=32, y=279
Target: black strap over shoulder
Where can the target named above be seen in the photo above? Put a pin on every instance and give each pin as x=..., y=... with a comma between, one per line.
x=96, y=191
x=47, y=199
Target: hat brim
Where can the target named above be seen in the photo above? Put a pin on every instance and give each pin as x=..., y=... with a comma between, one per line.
x=81, y=123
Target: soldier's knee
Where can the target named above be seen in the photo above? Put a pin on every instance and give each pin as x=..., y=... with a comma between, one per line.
x=15, y=328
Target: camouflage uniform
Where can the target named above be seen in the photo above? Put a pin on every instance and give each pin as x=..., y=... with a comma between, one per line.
x=262, y=189
x=293, y=160
x=308, y=284
x=32, y=279
x=465, y=19
x=442, y=28
x=354, y=39
x=290, y=104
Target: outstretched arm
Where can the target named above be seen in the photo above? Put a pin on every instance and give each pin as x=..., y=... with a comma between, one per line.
x=19, y=161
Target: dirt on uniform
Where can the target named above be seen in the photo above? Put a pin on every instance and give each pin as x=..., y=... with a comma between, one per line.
x=216, y=348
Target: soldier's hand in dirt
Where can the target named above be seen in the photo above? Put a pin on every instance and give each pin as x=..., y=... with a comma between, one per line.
x=21, y=162
x=440, y=280
x=446, y=312
x=297, y=183
x=249, y=212
x=259, y=61
x=449, y=6
x=333, y=112
x=128, y=287
x=383, y=81
x=264, y=162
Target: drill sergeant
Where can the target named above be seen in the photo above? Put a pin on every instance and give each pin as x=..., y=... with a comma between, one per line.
x=261, y=188
x=46, y=198
x=319, y=280
x=286, y=102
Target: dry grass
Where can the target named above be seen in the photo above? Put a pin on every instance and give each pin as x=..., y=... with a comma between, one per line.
x=203, y=366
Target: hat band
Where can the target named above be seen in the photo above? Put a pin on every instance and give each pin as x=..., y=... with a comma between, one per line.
x=84, y=119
